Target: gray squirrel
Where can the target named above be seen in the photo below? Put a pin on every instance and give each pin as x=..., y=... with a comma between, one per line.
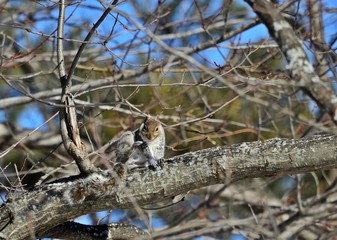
x=143, y=147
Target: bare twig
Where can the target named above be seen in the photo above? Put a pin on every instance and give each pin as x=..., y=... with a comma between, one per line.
x=87, y=38
x=23, y=138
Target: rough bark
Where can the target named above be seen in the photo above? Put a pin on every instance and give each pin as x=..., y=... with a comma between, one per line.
x=29, y=214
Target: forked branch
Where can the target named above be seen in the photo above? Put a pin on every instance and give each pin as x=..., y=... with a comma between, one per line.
x=68, y=119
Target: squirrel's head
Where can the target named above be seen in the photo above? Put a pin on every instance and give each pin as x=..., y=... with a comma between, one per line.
x=150, y=128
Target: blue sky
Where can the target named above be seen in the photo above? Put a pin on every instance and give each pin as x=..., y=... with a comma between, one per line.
x=30, y=117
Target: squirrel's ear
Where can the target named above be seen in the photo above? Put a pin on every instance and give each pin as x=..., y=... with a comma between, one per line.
x=146, y=118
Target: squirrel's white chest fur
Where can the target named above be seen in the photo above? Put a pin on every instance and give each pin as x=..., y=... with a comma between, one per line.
x=144, y=147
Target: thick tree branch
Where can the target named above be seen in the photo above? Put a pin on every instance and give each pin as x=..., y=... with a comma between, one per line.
x=48, y=206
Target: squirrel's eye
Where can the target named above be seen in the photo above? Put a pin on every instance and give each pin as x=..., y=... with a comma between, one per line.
x=156, y=129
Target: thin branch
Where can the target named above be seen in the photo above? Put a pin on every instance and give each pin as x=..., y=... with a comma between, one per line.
x=15, y=101
x=86, y=40
x=9, y=149
x=60, y=29
x=77, y=231
x=309, y=77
